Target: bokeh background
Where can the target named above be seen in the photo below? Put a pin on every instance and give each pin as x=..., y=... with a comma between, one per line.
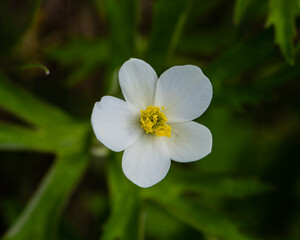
x=59, y=57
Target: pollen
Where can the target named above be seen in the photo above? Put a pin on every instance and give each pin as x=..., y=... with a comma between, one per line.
x=154, y=121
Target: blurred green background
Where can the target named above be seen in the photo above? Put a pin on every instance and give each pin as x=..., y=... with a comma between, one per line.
x=59, y=57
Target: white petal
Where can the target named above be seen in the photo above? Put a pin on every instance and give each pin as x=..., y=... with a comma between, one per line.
x=115, y=123
x=147, y=161
x=185, y=93
x=189, y=141
x=138, y=83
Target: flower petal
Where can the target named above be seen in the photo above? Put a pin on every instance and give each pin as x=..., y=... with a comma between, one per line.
x=185, y=93
x=189, y=141
x=147, y=161
x=115, y=123
x=138, y=83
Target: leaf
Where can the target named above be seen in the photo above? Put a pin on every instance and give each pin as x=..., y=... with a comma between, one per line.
x=29, y=108
x=168, y=21
x=236, y=97
x=167, y=227
x=209, y=45
x=280, y=77
x=81, y=56
x=282, y=15
x=122, y=16
x=231, y=136
x=214, y=185
x=51, y=131
x=81, y=51
x=245, y=55
x=80, y=73
x=20, y=138
x=10, y=209
x=203, y=9
x=40, y=218
x=197, y=216
x=281, y=74
x=55, y=132
x=123, y=222
x=122, y=19
x=59, y=138
x=241, y=6
x=13, y=28
x=36, y=65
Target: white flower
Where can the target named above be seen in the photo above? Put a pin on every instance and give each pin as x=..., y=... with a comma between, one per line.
x=154, y=124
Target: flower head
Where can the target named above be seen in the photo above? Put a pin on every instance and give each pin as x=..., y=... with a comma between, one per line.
x=154, y=124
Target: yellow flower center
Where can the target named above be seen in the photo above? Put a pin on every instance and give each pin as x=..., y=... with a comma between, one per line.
x=154, y=121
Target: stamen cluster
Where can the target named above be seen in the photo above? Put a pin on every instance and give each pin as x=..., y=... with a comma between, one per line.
x=154, y=122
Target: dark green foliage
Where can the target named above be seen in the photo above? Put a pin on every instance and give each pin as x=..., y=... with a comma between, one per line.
x=247, y=188
x=168, y=20
x=282, y=15
x=81, y=57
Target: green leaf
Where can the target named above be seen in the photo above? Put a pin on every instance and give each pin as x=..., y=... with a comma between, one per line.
x=55, y=132
x=29, y=108
x=209, y=45
x=122, y=19
x=197, y=216
x=122, y=16
x=215, y=185
x=81, y=56
x=36, y=65
x=40, y=218
x=80, y=73
x=13, y=28
x=237, y=96
x=282, y=76
x=226, y=155
x=282, y=15
x=20, y=138
x=245, y=55
x=79, y=51
x=249, y=12
x=167, y=227
x=241, y=6
x=281, y=73
x=168, y=22
x=123, y=222
x=58, y=138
